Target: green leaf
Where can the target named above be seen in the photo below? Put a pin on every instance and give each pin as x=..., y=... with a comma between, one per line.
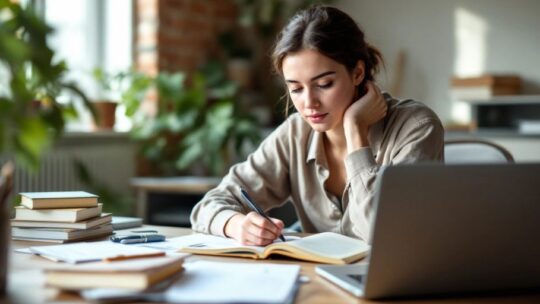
x=171, y=90
x=145, y=131
x=179, y=123
x=28, y=130
x=189, y=155
x=33, y=135
x=133, y=96
x=153, y=150
x=225, y=90
x=32, y=139
x=70, y=112
x=13, y=50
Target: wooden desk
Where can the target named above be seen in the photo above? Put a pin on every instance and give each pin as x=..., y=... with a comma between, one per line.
x=25, y=281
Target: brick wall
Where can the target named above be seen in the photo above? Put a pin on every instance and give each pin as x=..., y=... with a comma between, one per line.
x=174, y=35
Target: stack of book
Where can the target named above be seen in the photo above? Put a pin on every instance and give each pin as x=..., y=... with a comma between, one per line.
x=59, y=217
x=130, y=274
x=484, y=87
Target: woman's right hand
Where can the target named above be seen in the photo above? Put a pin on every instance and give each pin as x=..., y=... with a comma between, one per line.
x=253, y=229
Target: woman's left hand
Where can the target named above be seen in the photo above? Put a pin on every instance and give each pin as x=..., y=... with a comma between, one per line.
x=363, y=113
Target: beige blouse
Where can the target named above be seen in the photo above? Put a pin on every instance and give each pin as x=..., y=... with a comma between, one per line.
x=291, y=164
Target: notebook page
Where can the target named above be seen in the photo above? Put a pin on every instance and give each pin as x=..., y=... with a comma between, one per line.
x=331, y=245
x=199, y=240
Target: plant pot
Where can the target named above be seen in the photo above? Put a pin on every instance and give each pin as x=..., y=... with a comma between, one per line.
x=4, y=248
x=5, y=190
x=106, y=112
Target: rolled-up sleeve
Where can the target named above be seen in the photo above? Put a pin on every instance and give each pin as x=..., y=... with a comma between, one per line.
x=417, y=141
x=265, y=175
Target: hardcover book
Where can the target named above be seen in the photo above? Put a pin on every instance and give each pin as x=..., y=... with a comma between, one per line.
x=137, y=274
x=63, y=199
x=60, y=234
x=104, y=218
x=70, y=215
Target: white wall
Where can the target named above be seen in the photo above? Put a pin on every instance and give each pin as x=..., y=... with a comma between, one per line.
x=503, y=37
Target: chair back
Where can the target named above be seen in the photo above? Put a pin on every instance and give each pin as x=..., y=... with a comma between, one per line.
x=475, y=151
x=6, y=175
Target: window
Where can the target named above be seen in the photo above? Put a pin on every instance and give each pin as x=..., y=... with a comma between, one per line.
x=89, y=34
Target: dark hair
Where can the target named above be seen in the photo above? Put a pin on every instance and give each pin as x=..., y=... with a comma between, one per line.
x=332, y=33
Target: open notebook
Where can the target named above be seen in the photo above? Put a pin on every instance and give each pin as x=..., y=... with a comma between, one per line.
x=327, y=247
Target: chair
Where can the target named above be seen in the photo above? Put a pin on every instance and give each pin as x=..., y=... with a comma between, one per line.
x=461, y=151
x=6, y=174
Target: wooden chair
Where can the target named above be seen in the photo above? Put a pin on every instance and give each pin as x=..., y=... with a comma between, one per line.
x=6, y=175
x=464, y=151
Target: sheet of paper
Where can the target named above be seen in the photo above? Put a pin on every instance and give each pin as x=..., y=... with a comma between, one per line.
x=219, y=282
x=89, y=251
x=24, y=250
x=215, y=282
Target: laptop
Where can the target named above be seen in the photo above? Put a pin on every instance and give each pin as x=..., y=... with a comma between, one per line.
x=441, y=230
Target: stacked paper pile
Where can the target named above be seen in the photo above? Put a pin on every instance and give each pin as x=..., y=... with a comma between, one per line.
x=59, y=217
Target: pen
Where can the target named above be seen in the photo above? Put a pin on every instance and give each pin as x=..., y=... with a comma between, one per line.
x=257, y=209
x=143, y=239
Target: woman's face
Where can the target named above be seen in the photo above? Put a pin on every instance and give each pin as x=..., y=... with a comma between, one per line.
x=320, y=88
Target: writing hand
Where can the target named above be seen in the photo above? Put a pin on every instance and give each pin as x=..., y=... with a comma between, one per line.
x=253, y=229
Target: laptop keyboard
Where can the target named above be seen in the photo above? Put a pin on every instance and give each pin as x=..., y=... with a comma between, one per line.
x=357, y=277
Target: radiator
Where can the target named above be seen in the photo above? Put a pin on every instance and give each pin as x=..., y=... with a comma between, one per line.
x=110, y=160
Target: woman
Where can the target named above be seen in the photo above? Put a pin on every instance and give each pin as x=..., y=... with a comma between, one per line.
x=325, y=158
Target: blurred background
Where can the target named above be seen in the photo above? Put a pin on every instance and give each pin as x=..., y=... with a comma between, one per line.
x=147, y=103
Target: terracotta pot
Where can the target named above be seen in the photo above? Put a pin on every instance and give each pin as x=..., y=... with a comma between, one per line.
x=106, y=111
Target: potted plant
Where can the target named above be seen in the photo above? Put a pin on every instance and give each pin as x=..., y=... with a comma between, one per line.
x=198, y=128
x=109, y=88
x=30, y=83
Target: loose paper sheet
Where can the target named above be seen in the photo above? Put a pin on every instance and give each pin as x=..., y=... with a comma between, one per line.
x=90, y=251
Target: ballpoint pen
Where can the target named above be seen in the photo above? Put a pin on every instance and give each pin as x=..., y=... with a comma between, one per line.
x=257, y=209
x=137, y=238
x=144, y=239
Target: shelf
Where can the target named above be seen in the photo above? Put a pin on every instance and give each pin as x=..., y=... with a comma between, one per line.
x=507, y=100
x=505, y=114
x=491, y=133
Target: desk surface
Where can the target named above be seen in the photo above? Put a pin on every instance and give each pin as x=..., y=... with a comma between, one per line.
x=25, y=282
